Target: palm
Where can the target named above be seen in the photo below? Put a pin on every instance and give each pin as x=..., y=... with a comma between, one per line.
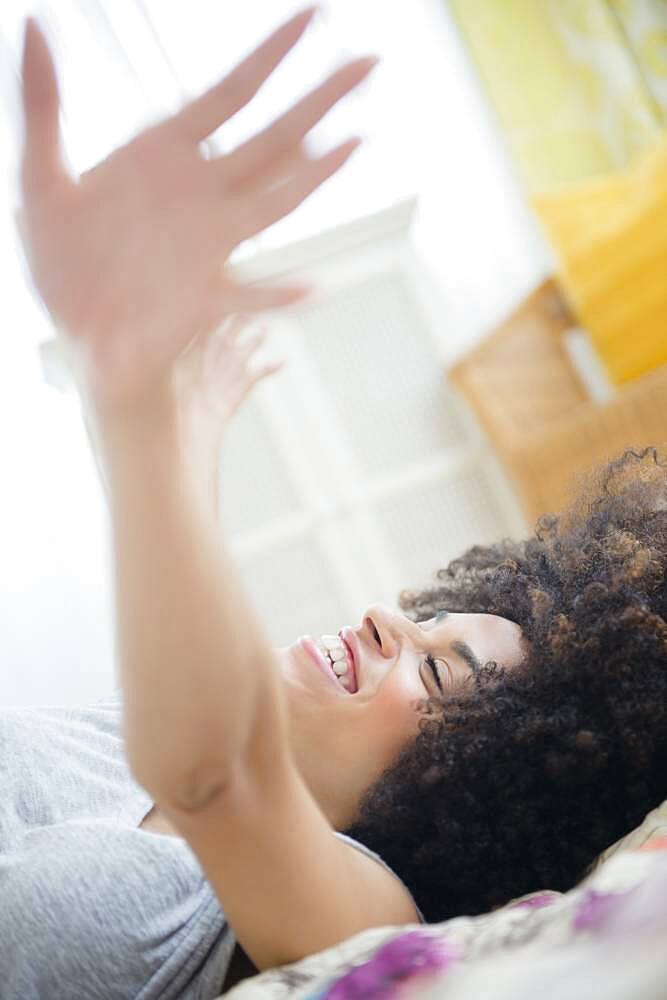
x=130, y=259
x=141, y=256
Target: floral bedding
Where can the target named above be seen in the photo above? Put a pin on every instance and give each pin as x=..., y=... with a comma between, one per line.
x=604, y=940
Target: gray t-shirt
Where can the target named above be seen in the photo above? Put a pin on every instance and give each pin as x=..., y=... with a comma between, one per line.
x=90, y=905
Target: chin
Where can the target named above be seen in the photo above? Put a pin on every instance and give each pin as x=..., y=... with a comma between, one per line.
x=288, y=662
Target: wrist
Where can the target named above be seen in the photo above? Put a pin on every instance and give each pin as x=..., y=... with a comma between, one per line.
x=154, y=405
x=203, y=446
x=136, y=434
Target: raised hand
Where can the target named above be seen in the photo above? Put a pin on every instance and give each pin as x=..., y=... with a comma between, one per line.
x=212, y=378
x=130, y=258
x=215, y=375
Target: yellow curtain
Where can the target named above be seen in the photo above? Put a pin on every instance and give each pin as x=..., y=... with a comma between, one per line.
x=579, y=86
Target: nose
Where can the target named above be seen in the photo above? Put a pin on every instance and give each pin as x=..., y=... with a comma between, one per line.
x=386, y=629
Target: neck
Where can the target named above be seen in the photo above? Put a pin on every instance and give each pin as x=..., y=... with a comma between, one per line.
x=337, y=800
x=335, y=776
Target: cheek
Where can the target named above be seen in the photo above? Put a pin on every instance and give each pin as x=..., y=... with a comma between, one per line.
x=396, y=716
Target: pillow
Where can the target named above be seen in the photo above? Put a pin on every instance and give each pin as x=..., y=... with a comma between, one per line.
x=610, y=239
x=653, y=827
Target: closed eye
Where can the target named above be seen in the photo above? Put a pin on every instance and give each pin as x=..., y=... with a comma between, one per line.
x=433, y=666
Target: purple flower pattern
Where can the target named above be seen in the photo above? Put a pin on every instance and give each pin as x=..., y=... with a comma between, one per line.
x=595, y=908
x=408, y=955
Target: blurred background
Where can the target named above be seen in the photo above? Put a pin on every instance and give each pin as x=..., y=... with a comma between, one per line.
x=487, y=320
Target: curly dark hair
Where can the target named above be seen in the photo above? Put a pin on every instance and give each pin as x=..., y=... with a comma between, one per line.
x=524, y=776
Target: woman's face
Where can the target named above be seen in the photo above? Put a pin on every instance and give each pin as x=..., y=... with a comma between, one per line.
x=345, y=732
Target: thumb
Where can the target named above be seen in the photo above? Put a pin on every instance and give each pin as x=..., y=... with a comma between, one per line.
x=41, y=150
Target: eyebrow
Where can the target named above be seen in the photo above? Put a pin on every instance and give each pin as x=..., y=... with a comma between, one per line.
x=466, y=653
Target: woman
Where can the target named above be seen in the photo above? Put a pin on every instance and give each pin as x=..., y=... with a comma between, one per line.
x=487, y=742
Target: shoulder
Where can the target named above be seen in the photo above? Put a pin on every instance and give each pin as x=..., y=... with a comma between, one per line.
x=287, y=883
x=362, y=849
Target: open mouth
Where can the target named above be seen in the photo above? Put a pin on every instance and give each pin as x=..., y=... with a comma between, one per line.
x=318, y=653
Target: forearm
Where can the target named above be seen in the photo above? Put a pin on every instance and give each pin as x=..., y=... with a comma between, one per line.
x=196, y=668
x=203, y=451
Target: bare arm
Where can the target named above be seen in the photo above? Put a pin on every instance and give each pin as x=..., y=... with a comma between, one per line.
x=206, y=717
x=204, y=714
x=197, y=670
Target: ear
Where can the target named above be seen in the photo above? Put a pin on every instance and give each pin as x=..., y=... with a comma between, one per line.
x=42, y=161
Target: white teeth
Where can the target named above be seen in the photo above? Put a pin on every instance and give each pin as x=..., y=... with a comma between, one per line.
x=334, y=650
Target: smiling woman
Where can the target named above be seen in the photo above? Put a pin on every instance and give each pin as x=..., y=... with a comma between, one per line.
x=492, y=736
x=397, y=668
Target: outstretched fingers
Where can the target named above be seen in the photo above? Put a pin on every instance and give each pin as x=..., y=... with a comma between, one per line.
x=251, y=344
x=278, y=202
x=225, y=342
x=265, y=152
x=206, y=113
x=235, y=327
